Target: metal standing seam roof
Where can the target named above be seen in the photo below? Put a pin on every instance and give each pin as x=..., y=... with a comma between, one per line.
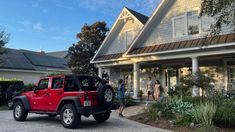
x=220, y=39
x=109, y=57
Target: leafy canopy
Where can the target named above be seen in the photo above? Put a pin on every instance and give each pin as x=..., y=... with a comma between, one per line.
x=4, y=38
x=222, y=10
x=89, y=40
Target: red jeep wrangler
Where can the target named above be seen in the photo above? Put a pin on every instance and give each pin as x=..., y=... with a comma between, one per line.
x=71, y=96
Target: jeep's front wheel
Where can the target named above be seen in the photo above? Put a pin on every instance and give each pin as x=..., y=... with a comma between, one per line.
x=19, y=112
x=69, y=116
x=102, y=117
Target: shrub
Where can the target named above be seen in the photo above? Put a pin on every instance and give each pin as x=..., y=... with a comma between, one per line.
x=28, y=87
x=195, y=100
x=129, y=101
x=152, y=112
x=181, y=107
x=203, y=114
x=225, y=115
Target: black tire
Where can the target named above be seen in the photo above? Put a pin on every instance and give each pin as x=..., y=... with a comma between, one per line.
x=101, y=95
x=52, y=115
x=102, y=117
x=75, y=117
x=19, y=112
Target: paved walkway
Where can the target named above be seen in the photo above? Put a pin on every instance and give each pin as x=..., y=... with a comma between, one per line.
x=42, y=123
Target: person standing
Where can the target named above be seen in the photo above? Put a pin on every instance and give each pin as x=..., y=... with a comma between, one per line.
x=158, y=91
x=150, y=89
x=121, y=96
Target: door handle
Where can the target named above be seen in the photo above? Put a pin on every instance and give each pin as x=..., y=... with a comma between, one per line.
x=46, y=93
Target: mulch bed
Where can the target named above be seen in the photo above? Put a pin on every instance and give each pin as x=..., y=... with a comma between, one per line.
x=165, y=124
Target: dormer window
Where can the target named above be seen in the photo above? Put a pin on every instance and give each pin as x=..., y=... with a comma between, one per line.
x=186, y=24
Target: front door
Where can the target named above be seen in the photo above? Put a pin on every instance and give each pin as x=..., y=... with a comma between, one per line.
x=128, y=76
x=41, y=96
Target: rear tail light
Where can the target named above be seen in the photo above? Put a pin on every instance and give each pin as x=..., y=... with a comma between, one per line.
x=87, y=101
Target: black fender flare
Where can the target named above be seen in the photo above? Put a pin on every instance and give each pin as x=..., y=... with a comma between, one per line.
x=24, y=100
x=73, y=99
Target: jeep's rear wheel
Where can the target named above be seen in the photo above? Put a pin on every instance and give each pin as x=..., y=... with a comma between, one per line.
x=106, y=95
x=102, y=117
x=69, y=116
x=19, y=112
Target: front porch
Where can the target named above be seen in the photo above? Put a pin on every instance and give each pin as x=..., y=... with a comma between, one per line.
x=220, y=67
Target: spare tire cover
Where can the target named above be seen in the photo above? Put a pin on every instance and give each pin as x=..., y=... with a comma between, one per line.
x=105, y=95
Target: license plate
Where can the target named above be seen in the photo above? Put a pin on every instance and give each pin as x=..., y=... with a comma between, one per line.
x=87, y=103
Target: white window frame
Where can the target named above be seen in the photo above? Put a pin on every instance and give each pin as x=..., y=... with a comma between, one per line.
x=186, y=25
x=125, y=38
x=226, y=72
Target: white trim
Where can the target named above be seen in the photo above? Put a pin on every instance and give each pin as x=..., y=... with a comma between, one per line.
x=26, y=71
x=186, y=49
x=111, y=30
x=58, y=70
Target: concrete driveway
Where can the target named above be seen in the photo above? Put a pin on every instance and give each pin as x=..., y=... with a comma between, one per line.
x=42, y=123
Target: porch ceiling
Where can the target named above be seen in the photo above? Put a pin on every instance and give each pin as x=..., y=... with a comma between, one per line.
x=221, y=39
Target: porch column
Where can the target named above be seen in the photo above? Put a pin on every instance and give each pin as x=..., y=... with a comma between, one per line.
x=195, y=90
x=136, y=80
x=100, y=72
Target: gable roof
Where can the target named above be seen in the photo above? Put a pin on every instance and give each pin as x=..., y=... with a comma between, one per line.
x=161, y=5
x=30, y=60
x=142, y=18
x=138, y=16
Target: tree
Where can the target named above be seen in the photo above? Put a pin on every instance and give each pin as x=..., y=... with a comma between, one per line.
x=4, y=38
x=222, y=10
x=90, y=38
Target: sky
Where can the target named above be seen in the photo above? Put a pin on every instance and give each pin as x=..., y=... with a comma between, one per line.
x=51, y=25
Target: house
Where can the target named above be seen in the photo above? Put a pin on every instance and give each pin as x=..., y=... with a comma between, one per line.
x=173, y=42
x=29, y=66
x=59, y=54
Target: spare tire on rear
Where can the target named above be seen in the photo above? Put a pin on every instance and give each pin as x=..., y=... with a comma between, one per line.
x=105, y=95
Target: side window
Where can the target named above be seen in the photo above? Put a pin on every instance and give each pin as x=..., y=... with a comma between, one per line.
x=88, y=83
x=57, y=83
x=43, y=84
x=70, y=85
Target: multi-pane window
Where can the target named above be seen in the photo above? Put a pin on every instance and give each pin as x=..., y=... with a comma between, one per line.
x=187, y=24
x=193, y=23
x=179, y=25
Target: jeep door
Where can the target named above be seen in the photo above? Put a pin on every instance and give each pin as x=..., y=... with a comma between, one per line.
x=56, y=92
x=41, y=96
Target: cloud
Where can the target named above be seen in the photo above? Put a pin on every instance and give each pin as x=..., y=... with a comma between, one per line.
x=112, y=7
x=38, y=27
x=28, y=26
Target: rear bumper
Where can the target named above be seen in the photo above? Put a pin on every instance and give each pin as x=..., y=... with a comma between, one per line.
x=94, y=110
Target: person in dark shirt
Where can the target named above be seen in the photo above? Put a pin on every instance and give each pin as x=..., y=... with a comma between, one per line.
x=121, y=96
